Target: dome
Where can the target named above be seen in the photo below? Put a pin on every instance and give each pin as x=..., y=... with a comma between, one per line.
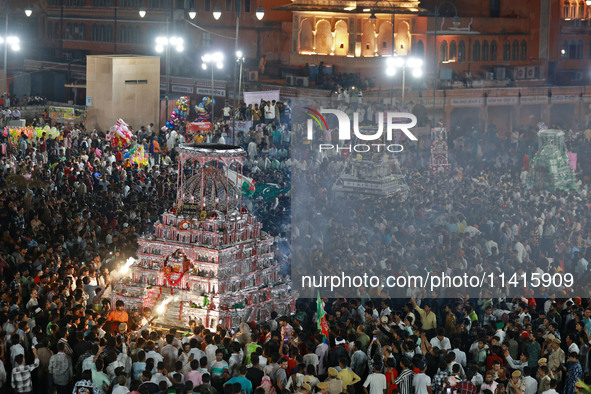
x=210, y=190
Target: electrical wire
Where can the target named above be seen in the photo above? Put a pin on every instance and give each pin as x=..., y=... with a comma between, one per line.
x=210, y=32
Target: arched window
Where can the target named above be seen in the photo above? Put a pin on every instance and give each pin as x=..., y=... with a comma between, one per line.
x=123, y=37
x=50, y=30
x=566, y=10
x=493, y=50
x=572, y=50
x=580, y=49
x=57, y=32
x=131, y=34
x=506, y=51
x=76, y=31
x=82, y=31
x=564, y=49
x=573, y=9
x=109, y=33
x=515, y=50
x=476, y=51
x=589, y=50
x=484, y=50
x=95, y=32
x=462, y=51
x=102, y=35
x=420, y=48
x=523, y=50
x=581, y=13
x=453, y=49
x=443, y=51
x=138, y=35
x=68, y=31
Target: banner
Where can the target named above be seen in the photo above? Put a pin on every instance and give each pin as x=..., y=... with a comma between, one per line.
x=241, y=125
x=199, y=126
x=207, y=92
x=66, y=114
x=62, y=113
x=256, y=97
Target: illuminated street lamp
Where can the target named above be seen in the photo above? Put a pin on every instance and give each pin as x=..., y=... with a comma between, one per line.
x=239, y=59
x=9, y=41
x=164, y=43
x=14, y=43
x=142, y=12
x=395, y=63
x=212, y=60
x=217, y=13
x=28, y=9
x=192, y=13
x=260, y=12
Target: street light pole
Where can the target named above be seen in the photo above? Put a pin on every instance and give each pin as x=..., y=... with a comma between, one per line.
x=403, y=85
x=212, y=97
x=164, y=44
x=214, y=60
x=167, y=82
x=456, y=22
x=239, y=59
x=167, y=67
x=5, y=69
x=398, y=62
x=373, y=18
x=238, y=9
x=115, y=32
x=240, y=77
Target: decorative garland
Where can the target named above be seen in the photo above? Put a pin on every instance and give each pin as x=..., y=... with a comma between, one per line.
x=168, y=274
x=168, y=271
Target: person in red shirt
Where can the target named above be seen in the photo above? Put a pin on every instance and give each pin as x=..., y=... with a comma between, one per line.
x=391, y=374
x=466, y=386
x=494, y=355
x=43, y=147
x=291, y=351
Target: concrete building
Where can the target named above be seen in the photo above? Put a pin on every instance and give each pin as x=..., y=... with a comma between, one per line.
x=122, y=86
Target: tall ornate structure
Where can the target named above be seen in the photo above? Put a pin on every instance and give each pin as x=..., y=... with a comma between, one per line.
x=550, y=168
x=372, y=175
x=208, y=259
x=439, y=155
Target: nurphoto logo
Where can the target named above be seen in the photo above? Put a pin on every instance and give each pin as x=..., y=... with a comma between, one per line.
x=394, y=121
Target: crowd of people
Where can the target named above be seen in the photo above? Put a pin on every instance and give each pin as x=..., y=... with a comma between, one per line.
x=24, y=101
x=72, y=209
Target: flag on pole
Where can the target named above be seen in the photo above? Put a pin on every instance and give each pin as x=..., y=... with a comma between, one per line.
x=321, y=318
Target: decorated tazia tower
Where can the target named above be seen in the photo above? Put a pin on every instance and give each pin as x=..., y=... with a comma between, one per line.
x=209, y=259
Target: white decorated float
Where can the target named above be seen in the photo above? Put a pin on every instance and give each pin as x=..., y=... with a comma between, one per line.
x=208, y=259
